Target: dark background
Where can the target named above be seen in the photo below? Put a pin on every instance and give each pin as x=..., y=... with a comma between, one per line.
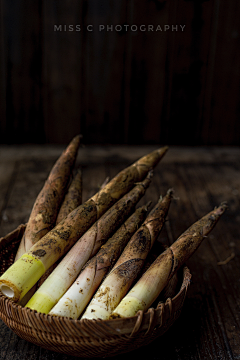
x=127, y=87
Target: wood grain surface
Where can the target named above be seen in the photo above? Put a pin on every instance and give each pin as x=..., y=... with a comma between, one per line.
x=120, y=87
x=208, y=327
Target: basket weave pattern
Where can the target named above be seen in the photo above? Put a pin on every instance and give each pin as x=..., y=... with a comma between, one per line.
x=86, y=338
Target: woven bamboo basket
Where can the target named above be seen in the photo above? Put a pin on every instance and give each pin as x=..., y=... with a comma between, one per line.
x=89, y=338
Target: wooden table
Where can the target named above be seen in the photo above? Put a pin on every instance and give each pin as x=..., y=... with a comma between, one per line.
x=209, y=325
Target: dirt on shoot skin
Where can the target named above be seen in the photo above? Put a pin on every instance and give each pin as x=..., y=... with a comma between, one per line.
x=79, y=294
x=72, y=200
x=191, y=239
x=126, y=179
x=83, y=217
x=73, y=197
x=64, y=235
x=133, y=257
x=129, y=264
x=47, y=204
x=163, y=269
x=87, y=246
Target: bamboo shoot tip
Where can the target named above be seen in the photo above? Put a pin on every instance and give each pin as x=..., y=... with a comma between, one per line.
x=148, y=204
x=79, y=170
x=170, y=192
x=223, y=206
x=150, y=174
x=77, y=137
x=164, y=148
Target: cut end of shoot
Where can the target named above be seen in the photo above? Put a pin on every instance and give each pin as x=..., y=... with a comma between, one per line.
x=7, y=291
x=21, y=276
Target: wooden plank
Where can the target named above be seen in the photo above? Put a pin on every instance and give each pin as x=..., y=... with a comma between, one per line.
x=96, y=154
x=225, y=93
x=103, y=72
x=208, y=83
x=119, y=86
x=180, y=90
x=8, y=173
x=62, y=69
x=2, y=76
x=147, y=76
x=22, y=66
x=187, y=70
